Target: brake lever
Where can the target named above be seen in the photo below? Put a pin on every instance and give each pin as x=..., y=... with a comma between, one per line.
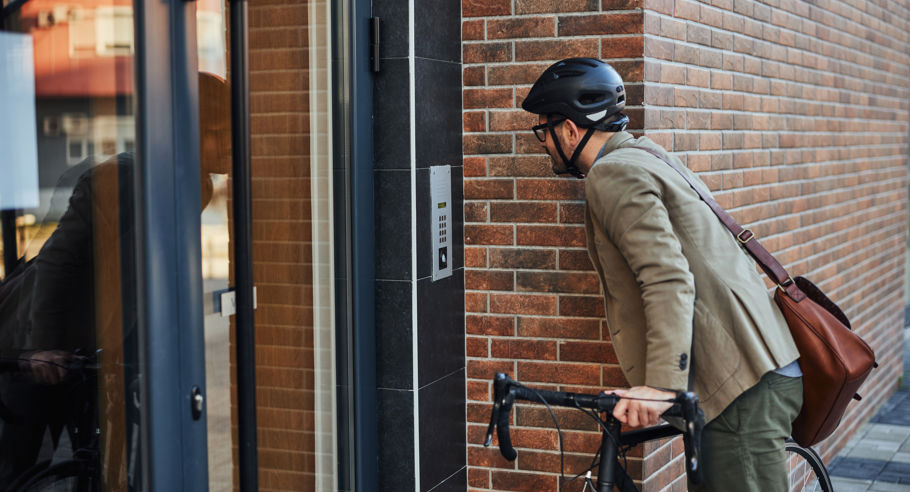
x=499, y=417
x=692, y=436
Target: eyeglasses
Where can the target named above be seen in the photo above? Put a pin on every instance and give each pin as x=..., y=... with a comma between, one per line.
x=540, y=131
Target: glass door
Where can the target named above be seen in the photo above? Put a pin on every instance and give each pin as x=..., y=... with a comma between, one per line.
x=291, y=236
x=70, y=385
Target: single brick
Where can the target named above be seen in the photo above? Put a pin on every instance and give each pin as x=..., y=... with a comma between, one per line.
x=486, y=52
x=556, y=49
x=522, y=27
x=523, y=212
x=477, y=189
x=487, y=98
x=490, y=325
x=522, y=258
x=557, y=282
x=484, y=8
x=601, y=24
x=522, y=304
x=489, y=280
x=550, y=236
x=474, y=75
x=488, y=234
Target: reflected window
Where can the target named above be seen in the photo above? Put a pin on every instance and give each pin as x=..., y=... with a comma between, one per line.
x=67, y=296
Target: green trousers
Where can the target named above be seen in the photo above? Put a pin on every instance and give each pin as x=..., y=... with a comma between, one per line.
x=743, y=448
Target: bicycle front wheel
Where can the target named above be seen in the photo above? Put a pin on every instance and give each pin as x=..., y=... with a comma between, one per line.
x=807, y=470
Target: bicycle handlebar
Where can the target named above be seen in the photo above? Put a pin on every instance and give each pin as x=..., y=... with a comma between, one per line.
x=506, y=391
x=76, y=364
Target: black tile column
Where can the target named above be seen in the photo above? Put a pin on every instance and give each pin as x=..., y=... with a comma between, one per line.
x=421, y=389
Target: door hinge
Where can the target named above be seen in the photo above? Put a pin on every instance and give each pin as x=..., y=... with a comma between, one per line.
x=374, y=44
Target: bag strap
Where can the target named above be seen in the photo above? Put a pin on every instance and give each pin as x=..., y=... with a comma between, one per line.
x=765, y=260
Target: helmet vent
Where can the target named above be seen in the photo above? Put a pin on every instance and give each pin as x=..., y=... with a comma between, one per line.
x=620, y=99
x=588, y=99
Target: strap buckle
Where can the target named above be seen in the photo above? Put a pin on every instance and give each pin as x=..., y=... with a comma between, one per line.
x=786, y=283
x=745, y=236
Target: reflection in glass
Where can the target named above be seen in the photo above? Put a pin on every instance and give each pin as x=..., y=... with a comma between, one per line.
x=67, y=306
x=215, y=127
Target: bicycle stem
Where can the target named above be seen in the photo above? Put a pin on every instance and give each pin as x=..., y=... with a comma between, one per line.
x=606, y=476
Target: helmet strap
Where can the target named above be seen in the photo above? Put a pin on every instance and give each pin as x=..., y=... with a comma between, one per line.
x=571, y=167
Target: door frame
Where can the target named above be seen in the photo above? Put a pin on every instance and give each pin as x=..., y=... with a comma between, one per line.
x=169, y=281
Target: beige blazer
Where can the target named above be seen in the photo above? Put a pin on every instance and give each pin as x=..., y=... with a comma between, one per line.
x=686, y=307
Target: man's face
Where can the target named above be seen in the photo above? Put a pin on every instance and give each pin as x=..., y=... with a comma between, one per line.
x=548, y=144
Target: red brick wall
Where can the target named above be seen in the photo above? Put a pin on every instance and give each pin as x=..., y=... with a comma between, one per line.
x=795, y=116
x=282, y=244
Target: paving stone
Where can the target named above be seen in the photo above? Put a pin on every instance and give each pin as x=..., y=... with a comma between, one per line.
x=887, y=432
x=895, y=411
x=884, y=487
x=895, y=472
x=850, y=484
x=861, y=468
x=880, y=445
x=877, y=458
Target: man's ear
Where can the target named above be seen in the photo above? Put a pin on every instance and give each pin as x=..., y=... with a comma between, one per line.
x=572, y=133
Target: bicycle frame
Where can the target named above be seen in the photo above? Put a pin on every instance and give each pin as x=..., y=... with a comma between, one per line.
x=610, y=472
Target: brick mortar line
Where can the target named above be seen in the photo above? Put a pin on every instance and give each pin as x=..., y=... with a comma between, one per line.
x=838, y=2
x=812, y=227
x=663, y=62
x=870, y=316
x=873, y=314
x=847, y=173
x=538, y=339
x=535, y=15
x=789, y=82
x=857, y=187
x=874, y=272
x=700, y=131
x=672, y=461
x=815, y=22
x=823, y=43
x=864, y=263
x=883, y=207
x=814, y=242
x=820, y=239
x=712, y=7
x=862, y=12
x=661, y=16
x=897, y=167
x=542, y=316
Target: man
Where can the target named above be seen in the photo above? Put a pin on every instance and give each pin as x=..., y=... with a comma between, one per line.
x=686, y=307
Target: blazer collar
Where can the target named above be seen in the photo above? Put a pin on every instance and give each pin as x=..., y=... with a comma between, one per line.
x=615, y=142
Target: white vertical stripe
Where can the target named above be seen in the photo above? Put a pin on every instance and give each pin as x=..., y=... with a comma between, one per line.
x=414, y=206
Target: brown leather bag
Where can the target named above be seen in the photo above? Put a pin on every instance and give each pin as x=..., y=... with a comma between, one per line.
x=834, y=360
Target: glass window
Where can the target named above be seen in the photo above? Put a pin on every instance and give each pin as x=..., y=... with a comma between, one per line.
x=292, y=244
x=69, y=384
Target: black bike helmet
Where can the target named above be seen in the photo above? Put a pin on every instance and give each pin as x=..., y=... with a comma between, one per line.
x=586, y=90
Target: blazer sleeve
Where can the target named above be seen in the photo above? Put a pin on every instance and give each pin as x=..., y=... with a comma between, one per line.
x=627, y=202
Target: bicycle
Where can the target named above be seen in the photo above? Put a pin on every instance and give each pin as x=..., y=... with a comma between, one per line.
x=81, y=470
x=611, y=453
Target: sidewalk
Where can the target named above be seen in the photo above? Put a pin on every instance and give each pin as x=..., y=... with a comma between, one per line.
x=877, y=459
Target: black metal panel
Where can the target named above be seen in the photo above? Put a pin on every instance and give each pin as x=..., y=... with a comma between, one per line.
x=353, y=151
x=168, y=289
x=243, y=247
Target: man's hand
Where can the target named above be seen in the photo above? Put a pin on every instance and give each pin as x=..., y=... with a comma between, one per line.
x=46, y=366
x=637, y=413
